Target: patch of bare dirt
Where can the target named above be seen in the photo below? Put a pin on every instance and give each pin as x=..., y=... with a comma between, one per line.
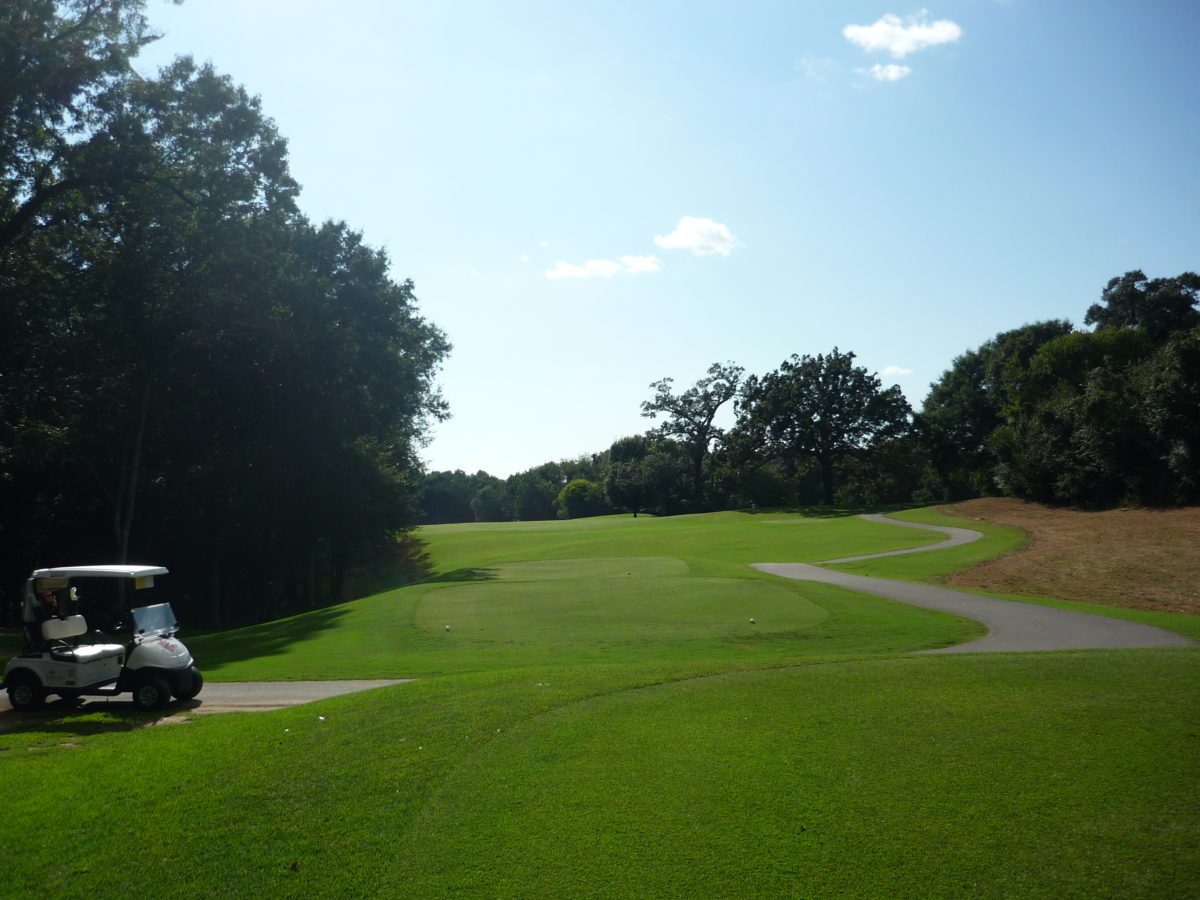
x=1136, y=558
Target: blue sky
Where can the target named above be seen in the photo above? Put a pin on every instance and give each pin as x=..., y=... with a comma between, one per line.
x=592, y=196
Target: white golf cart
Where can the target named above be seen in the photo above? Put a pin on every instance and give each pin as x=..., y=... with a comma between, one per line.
x=155, y=666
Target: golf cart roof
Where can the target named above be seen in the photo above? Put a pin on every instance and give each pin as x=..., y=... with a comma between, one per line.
x=125, y=570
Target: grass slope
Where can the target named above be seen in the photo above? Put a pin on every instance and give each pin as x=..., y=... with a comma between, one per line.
x=610, y=589
x=603, y=721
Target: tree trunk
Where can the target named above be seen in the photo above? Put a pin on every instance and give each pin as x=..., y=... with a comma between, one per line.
x=214, y=591
x=126, y=499
x=339, y=565
x=826, y=464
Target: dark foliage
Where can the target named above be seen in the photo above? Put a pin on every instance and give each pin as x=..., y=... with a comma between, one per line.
x=822, y=410
x=195, y=374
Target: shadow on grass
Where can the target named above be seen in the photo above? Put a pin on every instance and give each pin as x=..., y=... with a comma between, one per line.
x=471, y=573
x=833, y=512
x=84, y=716
x=218, y=649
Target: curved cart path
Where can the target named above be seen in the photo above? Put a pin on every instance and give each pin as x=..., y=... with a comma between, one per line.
x=1012, y=625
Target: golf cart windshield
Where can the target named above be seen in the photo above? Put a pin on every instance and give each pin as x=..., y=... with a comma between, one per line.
x=154, y=620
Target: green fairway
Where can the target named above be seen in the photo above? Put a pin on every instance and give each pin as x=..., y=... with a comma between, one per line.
x=603, y=720
x=612, y=589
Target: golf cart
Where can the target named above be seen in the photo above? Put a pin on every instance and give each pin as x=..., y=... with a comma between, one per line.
x=154, y=666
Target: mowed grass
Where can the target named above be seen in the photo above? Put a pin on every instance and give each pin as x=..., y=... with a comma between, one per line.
x=1045, y=775
x=610, y=589
x=602, y=723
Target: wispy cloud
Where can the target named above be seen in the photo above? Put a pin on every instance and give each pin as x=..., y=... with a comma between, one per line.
x=605, y=268
x=896, y=370
x=703, y=237
x=641, y=263
x=890, y=72
x=900, y=37
x=593, y=268
x=816, y=68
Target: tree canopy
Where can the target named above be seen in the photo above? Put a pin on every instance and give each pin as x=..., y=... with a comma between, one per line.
x=1159, y=305
x=688, y=416
x=821, y=408
x=196, y=374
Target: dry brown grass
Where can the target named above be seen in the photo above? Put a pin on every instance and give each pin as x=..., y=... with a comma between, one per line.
x=1136, y=558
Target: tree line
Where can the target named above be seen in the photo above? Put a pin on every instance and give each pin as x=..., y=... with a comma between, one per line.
x=1043, y=412
x=193, y=371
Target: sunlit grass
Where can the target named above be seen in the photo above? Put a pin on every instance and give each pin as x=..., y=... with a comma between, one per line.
x=602, y=719
x=1060, y=774
x=613, y=589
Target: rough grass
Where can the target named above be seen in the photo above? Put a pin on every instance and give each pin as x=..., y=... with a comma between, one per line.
x=1132, y=558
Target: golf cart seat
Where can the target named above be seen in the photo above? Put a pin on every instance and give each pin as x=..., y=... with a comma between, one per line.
x=73, y=626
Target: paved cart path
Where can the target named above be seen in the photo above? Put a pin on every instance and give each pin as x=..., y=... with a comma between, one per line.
x=1011, y=625
x=226, y=696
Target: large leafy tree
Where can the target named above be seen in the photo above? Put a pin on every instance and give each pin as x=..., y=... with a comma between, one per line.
x=689, y=416
x=1159, y=305
x=196, y=373
x=57, y=60
x=1105, y=417
x=647, y=473
x=581, y=498
x=967, y=404
x=822, y=409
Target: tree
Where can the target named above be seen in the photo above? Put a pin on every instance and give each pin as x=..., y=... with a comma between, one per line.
x=1160, y=305
x=197, y=373
x=967, y=404
x=449, y=496
x=647, y=473
x=1104, y=417
x=1167, y=387
x=581, y=498
x=533, y=494
x=491, y=504
x=821, y=408
x=57, y=59
x=690, y=415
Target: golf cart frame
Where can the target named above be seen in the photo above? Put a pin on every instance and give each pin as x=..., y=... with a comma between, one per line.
x=155, y=666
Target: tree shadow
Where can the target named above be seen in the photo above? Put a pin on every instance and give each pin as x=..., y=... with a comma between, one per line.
x=833, y=512
x=470, y=573
x=218, y=649
x=78, y=717
x=408, y=562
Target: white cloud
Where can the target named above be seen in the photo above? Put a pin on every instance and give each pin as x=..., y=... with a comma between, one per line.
x=641, y=263
x=890, y=72
x=900, y=37
x=703, y=237
x=605, y=268
x=524, y=257
x=896, y=370
x=593, y=268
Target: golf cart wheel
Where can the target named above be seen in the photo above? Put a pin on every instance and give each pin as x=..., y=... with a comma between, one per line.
x=193, y=688
x=151, y=693
x=25, y=691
